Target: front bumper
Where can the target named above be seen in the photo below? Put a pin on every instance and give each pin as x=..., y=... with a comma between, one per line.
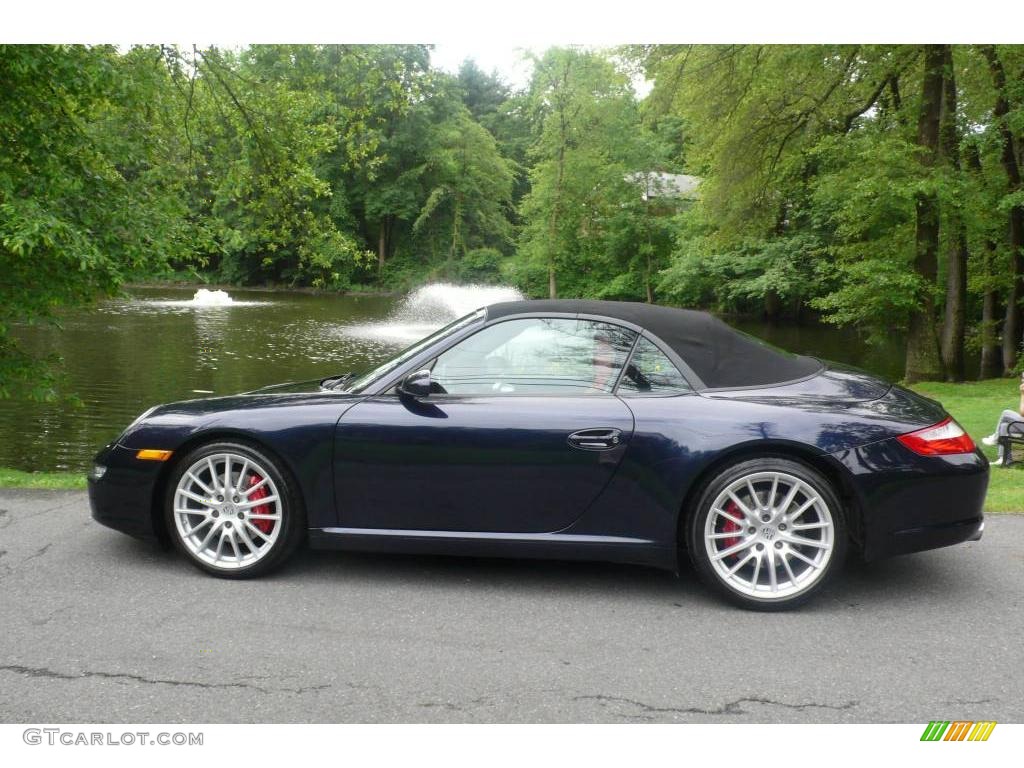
x=910, y=503
x=123, y=499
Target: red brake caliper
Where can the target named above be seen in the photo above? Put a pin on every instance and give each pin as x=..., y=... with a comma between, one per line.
x=263, y=524
x=729, y=526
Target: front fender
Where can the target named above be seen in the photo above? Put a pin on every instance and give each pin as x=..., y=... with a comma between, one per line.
x=297, y=431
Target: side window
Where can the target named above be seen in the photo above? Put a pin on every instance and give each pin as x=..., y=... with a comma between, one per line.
x=536, y=356
x=650, y=372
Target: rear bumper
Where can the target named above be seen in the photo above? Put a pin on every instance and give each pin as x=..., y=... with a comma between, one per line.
x=934, y=536
x=123, y=498
x=911, y=503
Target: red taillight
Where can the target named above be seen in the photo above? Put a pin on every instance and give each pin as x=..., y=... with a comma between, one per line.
x=946, y=437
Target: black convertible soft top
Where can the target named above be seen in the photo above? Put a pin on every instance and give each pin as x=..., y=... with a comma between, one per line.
x=720, y=355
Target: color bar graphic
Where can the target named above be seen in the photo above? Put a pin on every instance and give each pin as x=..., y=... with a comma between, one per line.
x=958, y=730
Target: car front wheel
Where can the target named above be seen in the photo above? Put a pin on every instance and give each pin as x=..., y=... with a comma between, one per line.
x=232, y=510
x=767, y=533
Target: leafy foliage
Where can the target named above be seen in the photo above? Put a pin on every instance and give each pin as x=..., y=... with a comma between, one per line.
x=814, y=178
x=82, y=204
x=363, y=166
x=585, y=229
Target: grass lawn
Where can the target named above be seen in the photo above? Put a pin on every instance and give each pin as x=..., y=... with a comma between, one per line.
x=975, y=404
x=15, y=478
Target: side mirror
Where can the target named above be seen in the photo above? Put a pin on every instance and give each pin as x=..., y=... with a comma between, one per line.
x=416, y=385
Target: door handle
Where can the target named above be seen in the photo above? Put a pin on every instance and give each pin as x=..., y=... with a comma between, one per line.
x=599, y=439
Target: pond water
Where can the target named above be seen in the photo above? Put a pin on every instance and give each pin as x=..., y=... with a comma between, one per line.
x=161, y=344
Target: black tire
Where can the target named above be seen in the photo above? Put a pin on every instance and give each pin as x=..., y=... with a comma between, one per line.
x=293, y=517
x=697, y=545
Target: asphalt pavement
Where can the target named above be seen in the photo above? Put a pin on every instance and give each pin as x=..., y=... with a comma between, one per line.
x=97, y=627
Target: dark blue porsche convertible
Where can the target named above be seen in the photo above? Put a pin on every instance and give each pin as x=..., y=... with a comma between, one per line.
x=562, y=429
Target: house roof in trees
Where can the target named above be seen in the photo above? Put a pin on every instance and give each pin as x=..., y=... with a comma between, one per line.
x=655, y=184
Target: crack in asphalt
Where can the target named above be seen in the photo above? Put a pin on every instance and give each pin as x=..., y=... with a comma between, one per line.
x=38, y=553
x=55, y=675
x=6, y=570
x=47, y=510
x=50, y=616
x=454, y=706
x=6, y=518
x=729, y=708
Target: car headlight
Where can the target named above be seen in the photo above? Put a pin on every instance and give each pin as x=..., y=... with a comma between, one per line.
x=97, y=472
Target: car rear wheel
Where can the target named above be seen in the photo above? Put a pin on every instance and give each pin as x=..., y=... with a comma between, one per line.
x=233, y=511
x=767, y=533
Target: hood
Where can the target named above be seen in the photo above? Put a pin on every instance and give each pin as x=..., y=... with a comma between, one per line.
x=308, y=385
x=189, y=415
x=270, y=395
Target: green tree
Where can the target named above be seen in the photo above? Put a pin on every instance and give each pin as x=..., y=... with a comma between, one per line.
x=384, y=192
x=256, y=146
x=586, y=120
x=873, y=164
x=1008, y=123
x=505, y=115
x=90, y=186
x=470, y=185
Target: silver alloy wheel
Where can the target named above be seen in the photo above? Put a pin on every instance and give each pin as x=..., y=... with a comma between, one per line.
x=769, y=535
x=227, y=511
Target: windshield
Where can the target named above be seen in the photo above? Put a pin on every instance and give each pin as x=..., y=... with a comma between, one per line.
x=362, y=382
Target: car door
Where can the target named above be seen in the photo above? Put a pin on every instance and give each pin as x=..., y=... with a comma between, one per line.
x=522, y=434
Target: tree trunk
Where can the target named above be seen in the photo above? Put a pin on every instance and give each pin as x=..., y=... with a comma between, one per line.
x=647, y=280
x=563, y=142
x=894, y=91
x=553, y=225
x=456, y=237
x=382, y=247
x=1012, y=325
x=650, y=249
x=954, y=324
x=991, y=355
x=922, y=341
